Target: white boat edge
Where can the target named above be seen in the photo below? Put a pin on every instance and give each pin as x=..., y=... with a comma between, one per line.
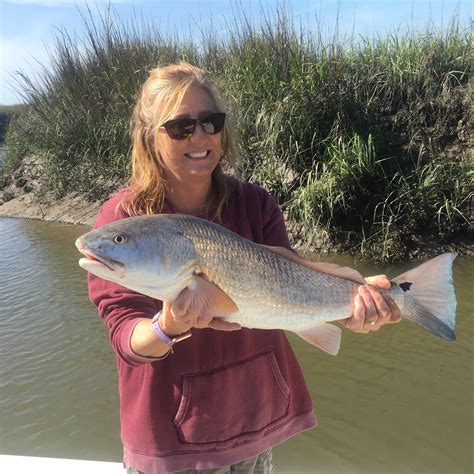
x=32, y=464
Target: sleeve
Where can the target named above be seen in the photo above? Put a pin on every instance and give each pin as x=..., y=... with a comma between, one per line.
x=274, y=229
x=120, y=308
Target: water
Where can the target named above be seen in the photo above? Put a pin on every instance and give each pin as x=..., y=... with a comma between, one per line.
x=396, y=401
x=58, y=382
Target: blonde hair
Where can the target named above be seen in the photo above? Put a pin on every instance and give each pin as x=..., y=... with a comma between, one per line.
x=160, y=98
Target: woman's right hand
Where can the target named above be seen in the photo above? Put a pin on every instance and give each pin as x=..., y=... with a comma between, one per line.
x=185, y=312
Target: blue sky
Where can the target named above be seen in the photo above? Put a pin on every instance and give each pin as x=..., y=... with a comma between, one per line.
x=27, y=27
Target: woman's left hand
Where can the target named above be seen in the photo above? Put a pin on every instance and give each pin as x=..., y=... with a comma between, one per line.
x=372, y=310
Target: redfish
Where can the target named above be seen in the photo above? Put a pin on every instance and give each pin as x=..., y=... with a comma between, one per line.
x=254, y=285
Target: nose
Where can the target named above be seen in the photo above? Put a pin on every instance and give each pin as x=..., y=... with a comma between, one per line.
x=199, y=133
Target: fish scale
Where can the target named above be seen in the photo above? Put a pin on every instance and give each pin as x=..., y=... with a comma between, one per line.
x=265, y=293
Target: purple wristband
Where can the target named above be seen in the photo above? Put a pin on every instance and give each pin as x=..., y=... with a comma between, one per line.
x=158, y=331
x=162, y=336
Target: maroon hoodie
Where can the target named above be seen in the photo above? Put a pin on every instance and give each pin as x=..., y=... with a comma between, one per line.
x=222, y=396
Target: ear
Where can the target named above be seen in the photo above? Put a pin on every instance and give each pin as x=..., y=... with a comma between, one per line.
x=150, y=143
x=148, y=140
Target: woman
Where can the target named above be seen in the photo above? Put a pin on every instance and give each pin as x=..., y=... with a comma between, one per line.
x=225, y=395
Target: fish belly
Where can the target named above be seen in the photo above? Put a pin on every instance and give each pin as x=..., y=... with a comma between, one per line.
x=290, y=318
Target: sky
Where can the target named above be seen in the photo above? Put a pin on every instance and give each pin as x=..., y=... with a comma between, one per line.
x=28, y=27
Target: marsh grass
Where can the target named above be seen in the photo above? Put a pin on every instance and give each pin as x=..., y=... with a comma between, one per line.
x=350, y=135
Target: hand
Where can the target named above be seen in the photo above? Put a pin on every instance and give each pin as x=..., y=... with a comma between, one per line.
x=184, y=313
x=372, y=309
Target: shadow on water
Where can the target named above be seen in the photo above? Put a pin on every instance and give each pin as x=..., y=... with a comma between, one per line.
x=395, y=401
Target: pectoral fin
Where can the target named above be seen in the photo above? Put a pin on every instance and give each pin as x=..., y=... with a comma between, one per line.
x=210, y=299
x=324, y=336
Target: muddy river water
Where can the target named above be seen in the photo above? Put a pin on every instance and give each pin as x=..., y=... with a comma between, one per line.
x=396, y=401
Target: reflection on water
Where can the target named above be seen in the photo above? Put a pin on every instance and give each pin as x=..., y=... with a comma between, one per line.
x=396, y=401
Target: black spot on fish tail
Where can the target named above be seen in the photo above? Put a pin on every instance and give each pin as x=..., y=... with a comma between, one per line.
x=405, y=286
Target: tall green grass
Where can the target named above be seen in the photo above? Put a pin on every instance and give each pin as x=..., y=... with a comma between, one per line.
x=7, y=112
x=366, y=138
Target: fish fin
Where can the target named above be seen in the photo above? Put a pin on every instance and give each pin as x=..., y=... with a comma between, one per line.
x=326, y=337
x=210, y=298
x=430, y=296
x=323, y=267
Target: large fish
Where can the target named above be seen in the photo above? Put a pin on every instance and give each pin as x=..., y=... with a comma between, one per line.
x=255, y=285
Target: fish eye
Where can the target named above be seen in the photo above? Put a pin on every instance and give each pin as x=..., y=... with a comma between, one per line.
x=119, y=239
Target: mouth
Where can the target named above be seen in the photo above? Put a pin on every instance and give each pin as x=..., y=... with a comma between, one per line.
x=97, y=260
x=202, y=155
x=94, y=260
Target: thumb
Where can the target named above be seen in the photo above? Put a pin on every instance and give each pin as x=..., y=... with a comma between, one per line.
x=381, y=281
x=222, y=325
x=181, y=304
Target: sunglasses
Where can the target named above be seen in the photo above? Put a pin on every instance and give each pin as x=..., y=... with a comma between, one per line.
x=180, y=129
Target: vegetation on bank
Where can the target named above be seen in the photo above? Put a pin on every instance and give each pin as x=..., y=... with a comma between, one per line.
x=367, y=140
x=7, y=112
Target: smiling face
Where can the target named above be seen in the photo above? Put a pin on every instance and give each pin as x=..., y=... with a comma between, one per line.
x=193, y=158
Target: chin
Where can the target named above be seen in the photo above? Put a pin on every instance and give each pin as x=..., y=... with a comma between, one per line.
x=204, y=169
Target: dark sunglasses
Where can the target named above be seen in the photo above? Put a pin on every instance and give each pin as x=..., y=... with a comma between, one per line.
x=180, y=129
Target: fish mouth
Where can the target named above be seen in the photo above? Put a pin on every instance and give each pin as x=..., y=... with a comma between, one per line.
x=95, y=259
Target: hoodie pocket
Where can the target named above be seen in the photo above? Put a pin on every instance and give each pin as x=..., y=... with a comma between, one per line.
x=232, y=404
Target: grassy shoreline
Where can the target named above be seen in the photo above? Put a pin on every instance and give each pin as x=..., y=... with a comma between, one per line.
x=365, y=143
x=7, y=112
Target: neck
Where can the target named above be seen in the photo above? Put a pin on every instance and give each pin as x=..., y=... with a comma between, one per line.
x=192, y=198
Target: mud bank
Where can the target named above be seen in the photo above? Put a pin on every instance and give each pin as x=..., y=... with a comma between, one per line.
x=23, y=195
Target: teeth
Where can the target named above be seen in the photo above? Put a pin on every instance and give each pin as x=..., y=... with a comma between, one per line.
x=198, y=155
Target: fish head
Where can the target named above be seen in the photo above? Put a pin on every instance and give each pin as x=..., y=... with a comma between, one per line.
x=148, y=254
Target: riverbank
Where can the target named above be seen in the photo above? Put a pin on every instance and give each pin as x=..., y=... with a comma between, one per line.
x=23, y=195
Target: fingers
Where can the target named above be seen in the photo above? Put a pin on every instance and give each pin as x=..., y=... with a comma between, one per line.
x=173, y=321
x=185, y=314
x=368, y=297
x=382, y=307
x=177, y=317
x=203, y=321
x=396, y=315
x=185, y=311
x=180, y=305
x=208, y=321
x=356, y=322
x=386, y=307
x=379, y=280
x=372, y=309
x=222, y=325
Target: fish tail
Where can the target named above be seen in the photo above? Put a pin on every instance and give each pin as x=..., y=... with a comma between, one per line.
x=430, y=300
